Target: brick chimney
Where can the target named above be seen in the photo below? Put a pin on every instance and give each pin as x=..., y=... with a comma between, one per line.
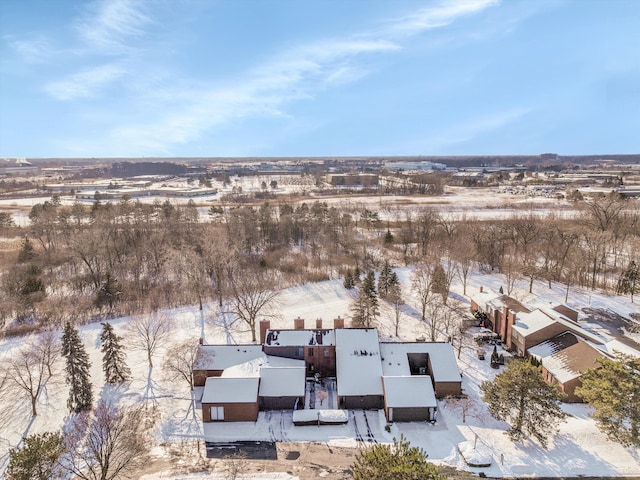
x=201, y=341
x=264, y=326
x=481, y=288
x=298, y=323
x=318, y=324
x=338, y=322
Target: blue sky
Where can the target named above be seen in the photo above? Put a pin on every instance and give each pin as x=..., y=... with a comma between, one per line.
x=318, y=77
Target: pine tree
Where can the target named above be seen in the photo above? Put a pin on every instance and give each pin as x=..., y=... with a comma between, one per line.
x=77, y=369
x=369, y=287
x=37, y=458
x=365, y=307
x=439, y=280
x=109, y=292
x=113, y=356
x=399, y=461
x=383, y=280
x=520, y=396
x=613, y=391
x=349, y=281
x=388, y=237
x=629, y=281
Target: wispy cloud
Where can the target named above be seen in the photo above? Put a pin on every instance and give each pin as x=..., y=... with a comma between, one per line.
x=441, y=15
x=85, y=84
x=111, y=25
x=35, y=50
x=294, y=75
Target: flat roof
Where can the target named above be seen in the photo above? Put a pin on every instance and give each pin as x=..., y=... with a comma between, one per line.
x=443, y=360
x=282, y=382
x=230, y=390
x=219, y=357
x=528, y=323
x=300, y=338
x=359, y=371
x=409, y=392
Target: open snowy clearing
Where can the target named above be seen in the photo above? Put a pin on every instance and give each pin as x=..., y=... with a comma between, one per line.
x=578, y=449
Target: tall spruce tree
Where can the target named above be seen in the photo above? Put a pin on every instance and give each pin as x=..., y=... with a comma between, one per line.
x=520, y=396
x=383, y=280
x=629, y=281
x=77, y=369
x=365, y=307
x=113, y=356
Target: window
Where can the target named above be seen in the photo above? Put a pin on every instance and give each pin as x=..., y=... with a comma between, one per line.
x=300, y=352
x=217, y=414
x=311, y=352
x=326, y=352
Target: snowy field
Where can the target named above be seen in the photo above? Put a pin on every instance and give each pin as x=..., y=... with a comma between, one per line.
x=578, y=449
x=457, y=203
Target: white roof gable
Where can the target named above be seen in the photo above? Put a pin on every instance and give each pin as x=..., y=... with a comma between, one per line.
x=359, y=371
x=230, y=390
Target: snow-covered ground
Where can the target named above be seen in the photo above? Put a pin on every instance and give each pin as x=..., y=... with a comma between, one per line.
x=578, y=449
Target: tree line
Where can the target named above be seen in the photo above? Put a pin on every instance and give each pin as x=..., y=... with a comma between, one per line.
x=84, y=262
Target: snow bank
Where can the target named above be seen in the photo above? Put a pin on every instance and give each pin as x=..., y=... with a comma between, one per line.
x=324, y=417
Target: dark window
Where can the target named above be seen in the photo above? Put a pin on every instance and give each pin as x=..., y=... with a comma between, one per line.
x=311, y=352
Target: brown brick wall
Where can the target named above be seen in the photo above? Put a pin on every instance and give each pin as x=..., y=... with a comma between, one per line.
x=233, y=412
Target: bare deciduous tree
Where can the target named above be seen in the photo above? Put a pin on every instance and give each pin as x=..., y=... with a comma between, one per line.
x=251, y=293
x=149, y=333
x=105, y=444
x=180, y=359
x=27, y=372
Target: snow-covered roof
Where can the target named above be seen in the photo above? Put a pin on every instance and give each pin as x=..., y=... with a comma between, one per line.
x=511, y=303
x=300, y=338
x=484, y=297
x=553, y=345
x=219, y=357
x=528, y=323
x=282, y=382
x=252, y=367
x=230, y=390
x=442, y=358
x=409, y=392
x=359, y=371
x=572, y=361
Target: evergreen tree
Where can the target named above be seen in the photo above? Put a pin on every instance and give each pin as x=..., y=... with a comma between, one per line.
x=109, y=292
x=388, y=237
x=369, y=287
x=613, y=390
x=349, y=281
x=365, y=306
x=77, y=369
x=399, y=461
x=629, y=281
x=113, y=356
x=27, y=252
x=439, y=280
x=383, y=280
x=520, y=396
x=37, y=458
